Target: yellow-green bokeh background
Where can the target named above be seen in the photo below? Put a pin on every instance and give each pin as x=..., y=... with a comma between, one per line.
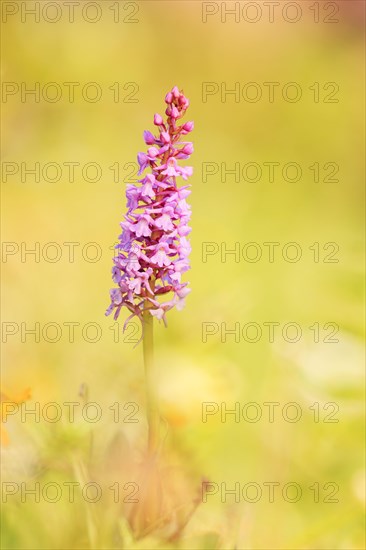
x=170, y=45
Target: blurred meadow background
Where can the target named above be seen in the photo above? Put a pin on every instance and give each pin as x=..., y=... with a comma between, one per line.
x=153, y=46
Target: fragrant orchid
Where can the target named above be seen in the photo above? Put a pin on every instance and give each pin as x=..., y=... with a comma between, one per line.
x=153, y=249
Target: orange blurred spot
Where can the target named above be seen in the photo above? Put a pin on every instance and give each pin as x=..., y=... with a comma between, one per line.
x=7, y=400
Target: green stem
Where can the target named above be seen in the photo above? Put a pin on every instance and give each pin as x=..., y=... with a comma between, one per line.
x=153, y=419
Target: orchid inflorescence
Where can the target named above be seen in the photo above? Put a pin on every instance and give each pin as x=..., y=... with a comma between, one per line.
x=153, y=248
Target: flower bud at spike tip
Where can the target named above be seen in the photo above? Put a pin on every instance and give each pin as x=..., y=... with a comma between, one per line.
x=188, y=126
x=158, y=120
x=188, y=149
